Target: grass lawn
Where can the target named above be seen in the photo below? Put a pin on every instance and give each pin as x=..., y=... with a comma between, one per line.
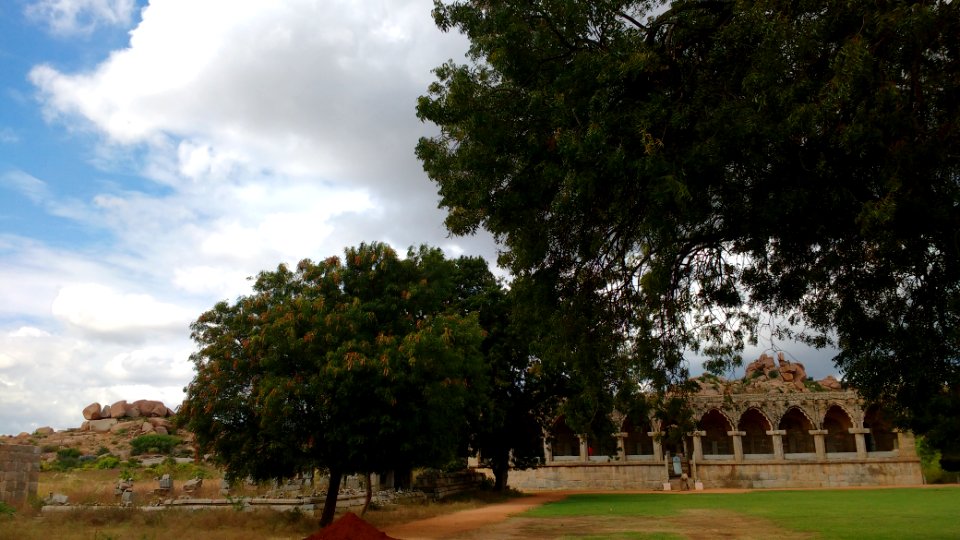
x=854, y=514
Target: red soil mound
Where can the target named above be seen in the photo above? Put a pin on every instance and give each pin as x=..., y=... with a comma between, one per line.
x=350, y=527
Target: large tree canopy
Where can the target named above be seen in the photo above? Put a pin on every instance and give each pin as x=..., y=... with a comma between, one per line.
x=363, y=364
x=671, y=170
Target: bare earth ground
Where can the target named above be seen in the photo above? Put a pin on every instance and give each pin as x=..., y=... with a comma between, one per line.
x=500, y=521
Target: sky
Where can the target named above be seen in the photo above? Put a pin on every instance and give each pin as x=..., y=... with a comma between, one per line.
x=154, y=155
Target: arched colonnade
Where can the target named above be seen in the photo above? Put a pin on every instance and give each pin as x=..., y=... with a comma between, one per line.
x=815, y=426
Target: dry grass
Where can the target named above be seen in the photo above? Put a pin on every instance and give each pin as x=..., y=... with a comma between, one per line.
x=122, y=524
x=95, y=487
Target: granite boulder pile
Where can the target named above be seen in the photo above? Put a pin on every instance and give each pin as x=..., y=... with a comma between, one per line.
x=144, y=416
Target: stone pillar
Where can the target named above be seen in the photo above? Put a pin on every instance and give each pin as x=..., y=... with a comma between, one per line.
x=737, y=444
x=584, y=451
x=657, y=445
x=19, y=473
x=698, y=445
x=819, y=443
x=547, y=449
x=622, y=446
x=777, y=435
x=906, y=444
x=858, y=435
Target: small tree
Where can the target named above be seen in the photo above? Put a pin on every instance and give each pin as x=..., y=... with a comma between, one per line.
x=355, y=365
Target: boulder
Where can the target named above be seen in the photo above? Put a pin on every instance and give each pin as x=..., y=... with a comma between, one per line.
x=170, y=412
x=161, y=430
x=92, y=411
x=792, y=372
x=150, y=408
x=85, y=426
x=830, y=383
x=45, y=430
x=764, y=365
x=129, y=426
x=105, y=413
x=147, y=427
x=133, y=411
x=103, y=425
x=160, y=422
x=118, y=409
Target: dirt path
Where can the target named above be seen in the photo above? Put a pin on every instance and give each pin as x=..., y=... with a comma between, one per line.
x=501, y=521
x=460, y=523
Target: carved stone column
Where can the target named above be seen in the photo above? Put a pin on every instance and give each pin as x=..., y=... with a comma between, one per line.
x=584, y=449
x=777, y=437
x=858, y=436
x=622, y=446
x=698, y=445
x=737, y=444
x=819, y=443
x=547, y=450
x=657, y=446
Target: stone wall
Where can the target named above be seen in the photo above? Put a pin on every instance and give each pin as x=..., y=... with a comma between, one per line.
x=816, y=474
x=753, y=474
x=603, y=476
x=19, y=473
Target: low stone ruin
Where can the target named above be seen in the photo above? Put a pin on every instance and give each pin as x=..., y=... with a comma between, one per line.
x=143, y=416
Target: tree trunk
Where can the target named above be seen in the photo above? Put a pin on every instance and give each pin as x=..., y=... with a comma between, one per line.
x=330, y=503
x=501, y=468
x=366, y=502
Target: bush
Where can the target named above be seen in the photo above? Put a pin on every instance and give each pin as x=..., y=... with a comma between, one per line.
x=6, y=509
x=67, y=458
x=154, y=444
x=107, y=462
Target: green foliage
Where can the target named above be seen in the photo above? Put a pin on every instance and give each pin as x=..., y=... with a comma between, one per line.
x=154, y=443
x=6, y=510
x=102, y=450
x=47, y=448
x=661, y=177
x=68, y=453
x=107, y=462
x=363, y=363
x=67, y=458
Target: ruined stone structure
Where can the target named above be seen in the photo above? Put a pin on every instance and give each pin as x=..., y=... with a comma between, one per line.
x=763, y=431
x=19, y=473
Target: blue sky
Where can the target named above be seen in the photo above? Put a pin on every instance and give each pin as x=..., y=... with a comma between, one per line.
x=153, y=155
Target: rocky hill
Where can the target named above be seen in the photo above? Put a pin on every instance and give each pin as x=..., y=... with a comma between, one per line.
x=106, y=429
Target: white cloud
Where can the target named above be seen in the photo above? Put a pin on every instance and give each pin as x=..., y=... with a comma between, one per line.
x=97, y=308
x=273, y=131
x=70, y=17
x=29, y=186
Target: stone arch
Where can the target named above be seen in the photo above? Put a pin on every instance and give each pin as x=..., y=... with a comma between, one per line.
x=837, y=423
x=563, y=441
x=881, y=438
x=716, y=441
x=755, y=425
x=797, y=425
x=637, y=441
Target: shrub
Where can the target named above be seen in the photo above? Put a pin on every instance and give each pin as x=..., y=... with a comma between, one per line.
x=67, y=458
x=6, y=509
x=47, y=448
x=154, y=444
x=107, y=462
x=103, y=450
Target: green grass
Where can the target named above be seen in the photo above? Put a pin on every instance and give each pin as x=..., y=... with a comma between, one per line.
x=853, y=514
